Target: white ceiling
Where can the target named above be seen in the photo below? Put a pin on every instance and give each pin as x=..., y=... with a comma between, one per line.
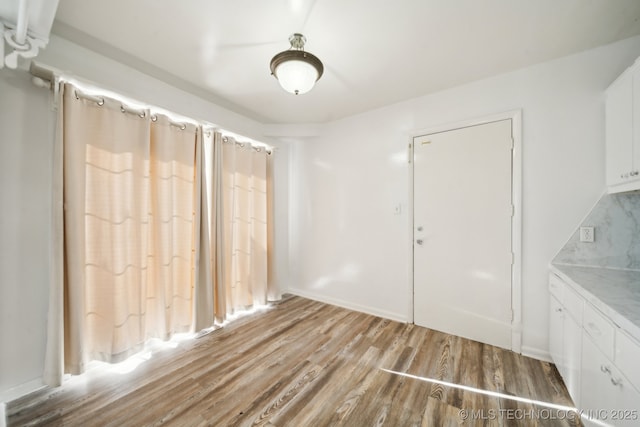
x=375, y=52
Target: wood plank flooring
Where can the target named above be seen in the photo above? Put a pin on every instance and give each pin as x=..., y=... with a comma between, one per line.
x=305, y=363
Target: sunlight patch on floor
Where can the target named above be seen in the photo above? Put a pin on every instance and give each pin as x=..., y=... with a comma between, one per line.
x=151, y=347
x=154, y=345
x=243, y=313
x=486, y=392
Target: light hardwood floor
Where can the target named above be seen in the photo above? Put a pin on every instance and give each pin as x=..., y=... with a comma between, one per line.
x=305, y=363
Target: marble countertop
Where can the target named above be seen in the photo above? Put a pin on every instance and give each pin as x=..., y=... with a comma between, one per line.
x=615, y=292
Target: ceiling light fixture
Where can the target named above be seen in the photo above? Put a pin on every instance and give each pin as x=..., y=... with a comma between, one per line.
x=297, y=71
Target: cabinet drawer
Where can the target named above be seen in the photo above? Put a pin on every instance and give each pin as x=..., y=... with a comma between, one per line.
x=627, y=356
x=600, y=330
x=574, y=304
x=556, y=287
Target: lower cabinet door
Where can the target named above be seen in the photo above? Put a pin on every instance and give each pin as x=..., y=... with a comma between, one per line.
x=606, y=398
x=555, y=335
x=572, y=356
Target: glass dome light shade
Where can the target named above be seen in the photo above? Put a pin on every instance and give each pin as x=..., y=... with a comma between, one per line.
x=297, y=71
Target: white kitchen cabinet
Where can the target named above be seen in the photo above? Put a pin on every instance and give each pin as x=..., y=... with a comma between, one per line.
x=565, y=334
x=597, y=359
x=609, y=393
x=622, y=114
x=607, y=396
x=627, y=353
x=635, y=148
x=600, y=329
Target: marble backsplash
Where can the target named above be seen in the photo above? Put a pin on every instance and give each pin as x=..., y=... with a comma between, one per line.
x=616, y=218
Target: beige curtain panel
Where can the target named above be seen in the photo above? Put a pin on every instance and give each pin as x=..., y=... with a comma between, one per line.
x=171, y=280
x=163, y=231
x=129, y=191
x=210, y=291
x=235, y=206
x=244, y=180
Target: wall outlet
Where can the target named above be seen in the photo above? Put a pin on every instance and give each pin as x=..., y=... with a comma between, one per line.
x=587, y=234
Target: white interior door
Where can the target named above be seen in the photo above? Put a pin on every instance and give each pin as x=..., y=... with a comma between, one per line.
x=462, y=232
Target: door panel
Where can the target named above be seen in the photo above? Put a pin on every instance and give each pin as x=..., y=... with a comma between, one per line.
x=462, y=219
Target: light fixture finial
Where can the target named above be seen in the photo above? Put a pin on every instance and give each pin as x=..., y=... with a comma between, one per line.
x=297, y=41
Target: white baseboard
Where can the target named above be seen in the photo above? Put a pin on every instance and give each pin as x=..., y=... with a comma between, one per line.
x=532, y=352
x=21, y=390
x=536, y=353
x=349, y=305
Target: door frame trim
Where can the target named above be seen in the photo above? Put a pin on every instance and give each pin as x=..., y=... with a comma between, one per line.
x=516, y=223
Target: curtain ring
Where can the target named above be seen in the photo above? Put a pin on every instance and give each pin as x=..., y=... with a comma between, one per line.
x=154, y=118
x=181, y=126
x=141, y=114
x=99, y=101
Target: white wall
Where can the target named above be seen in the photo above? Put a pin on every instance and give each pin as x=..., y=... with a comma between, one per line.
x=26, y=146
x=279, y=272
x=349, y=247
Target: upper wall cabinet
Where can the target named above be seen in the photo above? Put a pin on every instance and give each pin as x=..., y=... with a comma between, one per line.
x=623, y=132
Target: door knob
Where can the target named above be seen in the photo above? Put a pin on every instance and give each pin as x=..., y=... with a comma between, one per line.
x=419, y=241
